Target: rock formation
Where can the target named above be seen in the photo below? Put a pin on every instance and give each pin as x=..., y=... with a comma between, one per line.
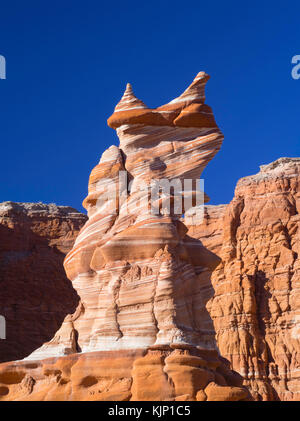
x=256, y=298
x=125, y=262
x=141, y=330
x=35, y=294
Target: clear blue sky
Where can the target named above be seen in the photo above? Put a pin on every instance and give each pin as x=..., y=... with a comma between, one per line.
x=68, y=62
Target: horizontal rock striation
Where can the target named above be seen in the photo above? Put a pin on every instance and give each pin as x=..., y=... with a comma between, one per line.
x=35, y=294
x=256, y=300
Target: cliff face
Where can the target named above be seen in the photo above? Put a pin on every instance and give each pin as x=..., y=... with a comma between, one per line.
x=35, y=294
x=141, y=330
x=256, y=299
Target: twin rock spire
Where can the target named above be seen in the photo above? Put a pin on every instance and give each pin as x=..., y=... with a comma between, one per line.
x=186, y=110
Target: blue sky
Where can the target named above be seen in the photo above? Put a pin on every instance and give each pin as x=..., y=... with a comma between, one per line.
x=68, y=63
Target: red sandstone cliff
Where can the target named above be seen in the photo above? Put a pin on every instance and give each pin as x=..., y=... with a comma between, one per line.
x=256, y=299
x=35, y=294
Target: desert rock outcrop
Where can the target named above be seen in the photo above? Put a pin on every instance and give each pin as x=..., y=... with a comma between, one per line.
x=35, y=294
x=256, y=300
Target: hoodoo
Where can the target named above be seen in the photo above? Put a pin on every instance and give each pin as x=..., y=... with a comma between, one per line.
x=141, y=330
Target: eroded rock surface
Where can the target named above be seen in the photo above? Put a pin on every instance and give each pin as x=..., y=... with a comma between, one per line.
x=35, y=294
x=256, y=298
x=140, y=375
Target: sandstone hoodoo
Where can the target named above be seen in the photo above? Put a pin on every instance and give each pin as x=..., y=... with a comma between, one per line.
x=131, y=268
x=256, y=301
x=141, y=330
x=35, y=294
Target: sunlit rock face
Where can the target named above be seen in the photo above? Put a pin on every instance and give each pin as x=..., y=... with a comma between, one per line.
x=256, y=302
x=139, y=285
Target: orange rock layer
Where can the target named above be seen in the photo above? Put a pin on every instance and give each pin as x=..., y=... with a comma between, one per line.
x=172, y=374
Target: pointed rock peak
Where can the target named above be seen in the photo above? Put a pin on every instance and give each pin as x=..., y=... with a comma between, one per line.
x=195, y=93
x=201, y=76
x=128, y=92
x=129, y=101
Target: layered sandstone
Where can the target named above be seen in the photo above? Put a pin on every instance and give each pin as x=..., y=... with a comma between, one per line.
x=35, y=294
x=256, y=298
x=141, y=330
x=130, y=266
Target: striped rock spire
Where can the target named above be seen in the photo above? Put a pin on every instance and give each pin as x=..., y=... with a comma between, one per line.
x=129, y=101
x=141, y=330
x=194, y=94
x=135, y=270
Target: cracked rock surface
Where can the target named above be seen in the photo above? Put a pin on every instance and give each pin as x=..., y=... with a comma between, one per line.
x=256, y=299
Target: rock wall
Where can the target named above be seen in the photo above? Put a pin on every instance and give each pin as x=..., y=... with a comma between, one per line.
x=35, y=294
x=256, y=298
